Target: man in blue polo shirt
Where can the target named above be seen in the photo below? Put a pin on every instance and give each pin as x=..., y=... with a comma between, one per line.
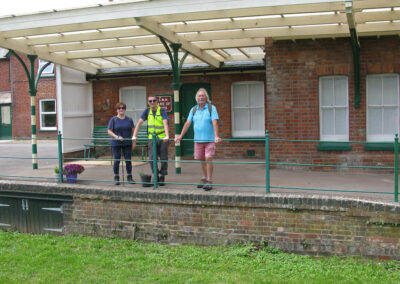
x=205, y=125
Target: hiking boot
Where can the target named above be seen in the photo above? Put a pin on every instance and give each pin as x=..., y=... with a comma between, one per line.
x=203, y=181
x=161, y=180
x=116, y=179
x=208, y=186
x=130, y=180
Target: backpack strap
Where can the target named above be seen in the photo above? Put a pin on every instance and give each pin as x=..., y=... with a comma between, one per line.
x=209, y=108
x=114, y=119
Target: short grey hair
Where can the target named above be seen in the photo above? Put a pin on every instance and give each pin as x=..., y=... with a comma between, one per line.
x=205, y=92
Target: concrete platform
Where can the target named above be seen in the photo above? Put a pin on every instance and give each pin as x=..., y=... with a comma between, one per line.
x=379, y=185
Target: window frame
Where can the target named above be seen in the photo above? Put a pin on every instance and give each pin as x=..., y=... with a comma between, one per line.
x=137, y=109
x=335, y=137
x=45, y=128
x=256, y=133
x=46, y=72
x=383, y=137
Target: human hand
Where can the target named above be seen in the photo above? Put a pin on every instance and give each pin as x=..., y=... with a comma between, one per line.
x=178, y=139
x=120, y=138
x=166, y=138
x=217, y=139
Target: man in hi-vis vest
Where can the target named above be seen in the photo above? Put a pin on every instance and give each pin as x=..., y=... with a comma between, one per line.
x=157, y=121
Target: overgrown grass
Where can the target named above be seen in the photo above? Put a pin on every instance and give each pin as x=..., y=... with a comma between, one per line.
x=77, y=259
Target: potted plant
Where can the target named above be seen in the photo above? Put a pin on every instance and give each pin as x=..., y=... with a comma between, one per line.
x=146, y=179
x=56, y=173
x=71, y=172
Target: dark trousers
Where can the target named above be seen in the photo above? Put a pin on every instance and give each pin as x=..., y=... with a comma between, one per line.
x=127, y=151
x=162, y=154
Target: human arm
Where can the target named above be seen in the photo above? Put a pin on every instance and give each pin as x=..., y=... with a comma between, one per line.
x=135, y=132
x=215, y=125
x=115, y=136
x=185, y=128
x=166, y=131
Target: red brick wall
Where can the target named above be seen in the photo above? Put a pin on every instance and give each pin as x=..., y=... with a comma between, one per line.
x=5, y=75
x=21, y=107
x=292, y=71
x=220, y=90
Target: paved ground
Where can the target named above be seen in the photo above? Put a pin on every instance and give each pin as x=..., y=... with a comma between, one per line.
x=227, y=174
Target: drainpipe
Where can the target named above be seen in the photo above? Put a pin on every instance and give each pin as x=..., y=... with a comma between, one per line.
x=356, y=52
x=32, y=91
x=176, y=85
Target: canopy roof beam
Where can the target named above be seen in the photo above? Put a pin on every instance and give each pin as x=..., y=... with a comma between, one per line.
x=162, y=31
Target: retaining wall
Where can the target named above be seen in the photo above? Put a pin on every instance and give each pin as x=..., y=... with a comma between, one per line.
x=314, y=225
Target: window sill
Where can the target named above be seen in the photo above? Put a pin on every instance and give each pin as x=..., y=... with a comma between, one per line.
x=379, y=146
x=47, y=130
x=334, y=146
x=47, y=75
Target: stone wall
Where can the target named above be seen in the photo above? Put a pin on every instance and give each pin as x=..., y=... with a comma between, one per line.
x=314, y=225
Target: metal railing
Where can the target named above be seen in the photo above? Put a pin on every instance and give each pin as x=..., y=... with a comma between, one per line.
x=267, y=162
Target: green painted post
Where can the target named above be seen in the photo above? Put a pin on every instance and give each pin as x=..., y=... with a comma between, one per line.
x=396, y=168
x=267, y=163
x=32, y=91
x=60, y=158
x=176, y=85
x=155, y=167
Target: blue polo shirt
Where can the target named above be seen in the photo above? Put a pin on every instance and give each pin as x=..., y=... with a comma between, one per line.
x=202, y=123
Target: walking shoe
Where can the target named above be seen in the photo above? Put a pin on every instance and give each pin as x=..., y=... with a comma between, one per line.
x=161, y=180
x=130, y=180
x=203, y=181
x=116, y=179
x=208, y=186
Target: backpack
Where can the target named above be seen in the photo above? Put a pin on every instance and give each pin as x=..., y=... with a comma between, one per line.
x=209, y=109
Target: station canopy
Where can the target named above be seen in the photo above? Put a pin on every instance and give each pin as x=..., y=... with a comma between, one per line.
x=214, y=32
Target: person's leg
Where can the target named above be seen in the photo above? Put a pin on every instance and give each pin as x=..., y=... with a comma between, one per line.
x=209, y=155
x=128, y=157
x=164, y=157
x=116, y=151
x=199, y=155
x=150, y=150
x=209, y=168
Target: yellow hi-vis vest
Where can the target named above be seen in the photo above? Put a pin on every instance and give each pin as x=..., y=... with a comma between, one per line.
x=155, y=123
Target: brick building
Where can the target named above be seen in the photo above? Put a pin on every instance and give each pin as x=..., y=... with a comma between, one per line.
x=329, y=72
x=15, y=100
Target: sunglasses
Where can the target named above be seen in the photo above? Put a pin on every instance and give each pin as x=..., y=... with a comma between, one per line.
x=121, y=107
x=152, y=101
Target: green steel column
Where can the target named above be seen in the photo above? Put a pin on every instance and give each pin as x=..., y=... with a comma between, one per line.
x=176, y=85
x=60, y=158
x=396, y=168
x=32, y=92
x=155, y=167
x=267, y=163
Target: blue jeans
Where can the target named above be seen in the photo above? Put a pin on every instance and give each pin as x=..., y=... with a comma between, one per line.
x=127, y=151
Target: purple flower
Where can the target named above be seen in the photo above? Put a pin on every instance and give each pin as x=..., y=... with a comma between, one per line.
x=73, y=168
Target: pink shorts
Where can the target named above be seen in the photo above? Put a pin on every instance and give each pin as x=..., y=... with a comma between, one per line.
x=204, y=150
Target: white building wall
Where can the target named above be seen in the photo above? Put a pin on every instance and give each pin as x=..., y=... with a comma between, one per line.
x=74, y=108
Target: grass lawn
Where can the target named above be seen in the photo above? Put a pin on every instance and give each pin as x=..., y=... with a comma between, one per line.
x=77, y=259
